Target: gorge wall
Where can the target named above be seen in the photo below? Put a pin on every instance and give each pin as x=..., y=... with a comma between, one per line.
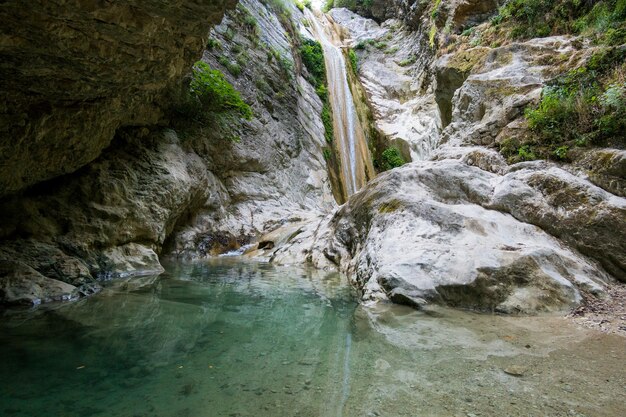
x=73, y=72
x=105, y=167
x=471, y=223
x=140, y=178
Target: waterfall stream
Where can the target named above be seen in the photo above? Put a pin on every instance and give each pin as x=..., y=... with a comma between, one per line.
x=349, y=135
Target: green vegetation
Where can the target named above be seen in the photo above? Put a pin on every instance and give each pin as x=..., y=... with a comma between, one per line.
x=390, y=158
x=354, y=61
x=313, y=59
x=232, y=67
x=434, y=12
x=584, y=107
x=301, y=4
x=280, y=6
x=408, y=61
x=248, y=21
x=363, y=7
x=213, y=44
x=212, y=90
x=229, y=34
x=312, y=55
x=286, y=66
x=361, y=45
x=604, y=21
x=392, y=50
x=390, y=206
x=431, y=36
x=328, y=4
x=380, y=45
x=327, y=119
x=263, y=86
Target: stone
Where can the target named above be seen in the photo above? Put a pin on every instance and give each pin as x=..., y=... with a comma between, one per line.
x=605, y=168
x=429, y=232
x=22, y=285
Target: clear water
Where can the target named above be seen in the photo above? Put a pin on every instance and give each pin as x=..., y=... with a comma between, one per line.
x=229, y=338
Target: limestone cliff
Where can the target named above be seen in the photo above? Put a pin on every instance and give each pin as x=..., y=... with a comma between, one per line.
x=471, y=223
x=72, y=73
x=194, y=188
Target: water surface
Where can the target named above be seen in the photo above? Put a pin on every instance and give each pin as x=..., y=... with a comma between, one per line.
x=232, y=338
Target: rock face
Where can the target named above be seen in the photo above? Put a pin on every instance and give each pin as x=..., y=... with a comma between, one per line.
x=393, y=64
x=72, y=73
x=189, y=191
x=465, y=228
x=277, y=172
x=436, y=232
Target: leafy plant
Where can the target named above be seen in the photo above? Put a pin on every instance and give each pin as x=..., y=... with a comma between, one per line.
x=431, y=36
x=434, y=12
x=214, y=93
x=603, y=20
x=213, y=44
x=312, y=55
x=586, y=106
x=327, y=120
x=408, y=61
x=561, y=152
x=354, y=61
x=301, y=4
x=313, y=59
x=229, y=34
x=391, y=158
x=392, y=50
x=526, y=154
x=232, y=67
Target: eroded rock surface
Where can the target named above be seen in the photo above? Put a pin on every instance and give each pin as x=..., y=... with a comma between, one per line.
x=72, y=73
x=195, y=190
x=393, y=64
x=428, y=232
x=467, y=229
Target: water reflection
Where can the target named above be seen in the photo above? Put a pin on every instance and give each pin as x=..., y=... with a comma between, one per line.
x=229, y=338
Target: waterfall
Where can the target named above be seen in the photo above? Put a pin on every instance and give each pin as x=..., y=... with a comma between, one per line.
x=349, y=135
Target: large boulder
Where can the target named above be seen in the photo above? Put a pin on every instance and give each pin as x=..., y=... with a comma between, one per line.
x=440, y=232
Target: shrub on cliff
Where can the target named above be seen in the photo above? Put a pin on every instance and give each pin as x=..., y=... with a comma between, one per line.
x=602, y=20
x=312, y=55
x=584, y=107
x=313, y=59
x=390, y=158
x=210, y=93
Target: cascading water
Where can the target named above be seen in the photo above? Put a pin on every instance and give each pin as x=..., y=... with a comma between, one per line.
x=349, y=136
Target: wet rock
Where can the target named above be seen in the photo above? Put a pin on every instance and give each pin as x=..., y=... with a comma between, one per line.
x=395, y=79
x=22, y=285
x=110, y=219
x=277, y=172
